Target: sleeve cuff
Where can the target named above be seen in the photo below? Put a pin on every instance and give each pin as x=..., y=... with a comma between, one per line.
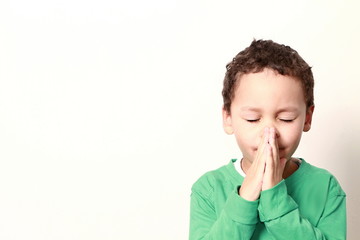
x=241, y=210
x=275, y=202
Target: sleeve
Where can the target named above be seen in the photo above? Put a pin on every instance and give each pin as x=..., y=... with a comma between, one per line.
x=281, y=216
x=237, y=220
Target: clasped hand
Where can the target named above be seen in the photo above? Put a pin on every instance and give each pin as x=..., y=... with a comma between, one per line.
x=267, y=169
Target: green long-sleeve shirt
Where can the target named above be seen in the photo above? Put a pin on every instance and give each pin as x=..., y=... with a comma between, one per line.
x=309, y=204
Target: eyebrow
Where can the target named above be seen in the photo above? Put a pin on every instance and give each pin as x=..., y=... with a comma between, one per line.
x=288, y=109
x=284, y=109
x=250, y=109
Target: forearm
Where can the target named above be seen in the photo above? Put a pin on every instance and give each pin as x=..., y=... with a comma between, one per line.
x=283, y=220
x=237, y=219
x=223, y=228
x=293, y=226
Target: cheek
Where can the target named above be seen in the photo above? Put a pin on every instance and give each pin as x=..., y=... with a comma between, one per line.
x=291, y=136
x=246, y=138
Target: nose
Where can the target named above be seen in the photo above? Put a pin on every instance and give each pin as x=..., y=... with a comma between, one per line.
x=270, y=129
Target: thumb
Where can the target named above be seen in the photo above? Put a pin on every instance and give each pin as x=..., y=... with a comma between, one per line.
x=283, y=163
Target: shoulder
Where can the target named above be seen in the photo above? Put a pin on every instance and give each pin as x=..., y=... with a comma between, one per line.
x=206, y=183
x=322, y=177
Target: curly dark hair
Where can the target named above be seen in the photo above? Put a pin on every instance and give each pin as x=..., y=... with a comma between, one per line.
x=263, y=54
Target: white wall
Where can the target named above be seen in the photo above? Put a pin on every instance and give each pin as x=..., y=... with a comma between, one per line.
x=110, y=110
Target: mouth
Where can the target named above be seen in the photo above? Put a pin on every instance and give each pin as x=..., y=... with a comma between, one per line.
x=281, y=149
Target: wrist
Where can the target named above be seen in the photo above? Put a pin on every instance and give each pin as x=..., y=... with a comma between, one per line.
x=248, y=196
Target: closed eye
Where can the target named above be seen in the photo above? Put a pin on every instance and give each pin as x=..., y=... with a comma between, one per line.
x=252, y=120
x=287, y=120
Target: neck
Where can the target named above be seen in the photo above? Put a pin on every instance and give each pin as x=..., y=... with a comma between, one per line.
x=290, y=167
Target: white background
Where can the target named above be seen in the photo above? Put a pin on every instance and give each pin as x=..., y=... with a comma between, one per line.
x=110, y=110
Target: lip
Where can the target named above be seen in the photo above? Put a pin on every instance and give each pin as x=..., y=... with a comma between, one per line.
x=280, y=149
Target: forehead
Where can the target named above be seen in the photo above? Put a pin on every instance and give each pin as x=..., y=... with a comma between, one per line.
x=268, y=89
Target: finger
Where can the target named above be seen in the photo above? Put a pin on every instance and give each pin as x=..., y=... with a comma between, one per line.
x=269, y=170
x=274, y=145
x=258, y=166
x=269, y=158
x=262, y=146
x=264, y=142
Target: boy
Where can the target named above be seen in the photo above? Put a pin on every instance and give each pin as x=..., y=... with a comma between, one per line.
x=268, y=194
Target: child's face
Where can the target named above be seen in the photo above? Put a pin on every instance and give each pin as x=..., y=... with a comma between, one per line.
x=268, y=99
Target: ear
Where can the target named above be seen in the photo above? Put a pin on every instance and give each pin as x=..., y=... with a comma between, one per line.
x=227, y=122
x=308, y=118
